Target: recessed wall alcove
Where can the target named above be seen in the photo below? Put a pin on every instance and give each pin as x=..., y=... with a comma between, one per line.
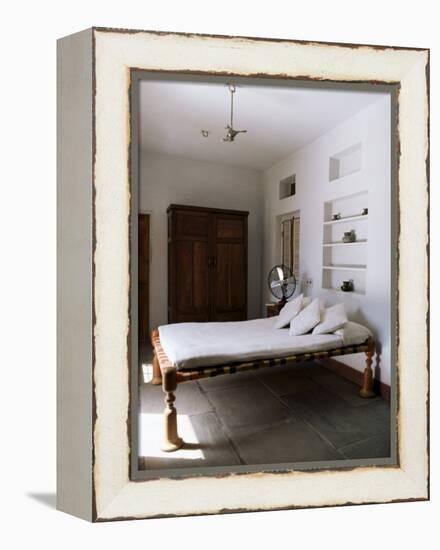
x=345, y=162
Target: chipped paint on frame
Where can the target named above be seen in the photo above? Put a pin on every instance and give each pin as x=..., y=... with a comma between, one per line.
x=115, y=53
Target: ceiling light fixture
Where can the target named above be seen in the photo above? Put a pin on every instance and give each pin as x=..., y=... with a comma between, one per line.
x=231, y=133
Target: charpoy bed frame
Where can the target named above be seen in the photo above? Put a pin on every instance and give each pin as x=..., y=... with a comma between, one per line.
x=167, y=374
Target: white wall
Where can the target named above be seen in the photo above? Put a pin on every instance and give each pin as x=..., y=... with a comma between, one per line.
x=371, y=127
x=168, y=179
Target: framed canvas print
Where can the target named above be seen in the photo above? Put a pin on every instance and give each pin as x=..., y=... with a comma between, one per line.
x=242, y=274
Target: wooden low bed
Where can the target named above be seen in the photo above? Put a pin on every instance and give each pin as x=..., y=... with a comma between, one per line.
x=165, y=373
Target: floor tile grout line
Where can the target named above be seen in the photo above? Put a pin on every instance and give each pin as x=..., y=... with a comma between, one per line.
x=341, y=449
x=334, y=445
x=222, y=425
x=232, y=386
x=330, y=390
x=322, y=436
x=295, y=414
x=270, y=391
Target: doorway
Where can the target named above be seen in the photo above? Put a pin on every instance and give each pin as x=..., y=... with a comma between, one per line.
x=144, y=277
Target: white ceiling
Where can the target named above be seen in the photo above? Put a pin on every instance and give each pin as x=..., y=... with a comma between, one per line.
x=278, y=120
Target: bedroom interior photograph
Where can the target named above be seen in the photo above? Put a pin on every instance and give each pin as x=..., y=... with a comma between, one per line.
x=266, y=244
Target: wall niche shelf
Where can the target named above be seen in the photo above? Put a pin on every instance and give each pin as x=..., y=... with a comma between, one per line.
x=347, y=293
x=346, y=267
x=341, y=243
x=345, y=162
x=288, y=187
x=345, y=261
x=357, y=217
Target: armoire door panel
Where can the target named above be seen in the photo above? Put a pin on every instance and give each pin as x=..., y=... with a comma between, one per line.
x=207, y=264
x=190, y=225
x=229, y=316
x=230, y=282
x=192, y=277
x=229, y=228
x=237, y=280
x=200, y=275
x=193, y=317
x=184, y=275
x=222, y=287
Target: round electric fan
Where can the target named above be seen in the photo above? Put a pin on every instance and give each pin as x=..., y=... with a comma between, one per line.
x=282, y=282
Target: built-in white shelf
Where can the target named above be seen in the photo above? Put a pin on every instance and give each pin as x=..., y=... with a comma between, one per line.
x=358, y=217
x=345, y=162
x=349, y=292
x=346, y=267
x=345, y=261
x=341, y=243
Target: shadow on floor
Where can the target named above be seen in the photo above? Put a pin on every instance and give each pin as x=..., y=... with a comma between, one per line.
x=290, y=414
x=47, y=499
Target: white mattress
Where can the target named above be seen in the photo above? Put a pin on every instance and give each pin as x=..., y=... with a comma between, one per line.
x=192, y=345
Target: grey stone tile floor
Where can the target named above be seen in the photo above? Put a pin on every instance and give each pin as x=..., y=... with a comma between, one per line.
x=277, y=415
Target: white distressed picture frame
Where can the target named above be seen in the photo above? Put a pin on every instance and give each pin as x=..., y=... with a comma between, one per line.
x=94, y=201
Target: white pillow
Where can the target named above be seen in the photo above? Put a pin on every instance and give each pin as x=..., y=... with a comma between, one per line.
x=332, y=318
x=308, y=318
x=288, y=312
x=353, y=333
x=306, y=301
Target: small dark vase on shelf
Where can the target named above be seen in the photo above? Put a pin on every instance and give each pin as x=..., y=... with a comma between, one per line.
x=349, y=237
x=347, y=286
x=336, y=216
x=364, y=211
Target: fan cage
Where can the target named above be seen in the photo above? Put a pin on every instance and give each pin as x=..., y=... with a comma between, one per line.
x=285, y=290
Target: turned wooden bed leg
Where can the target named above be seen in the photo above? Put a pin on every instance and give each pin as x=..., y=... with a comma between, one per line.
x=172, y=441
x=157, y=375
x=367, y=385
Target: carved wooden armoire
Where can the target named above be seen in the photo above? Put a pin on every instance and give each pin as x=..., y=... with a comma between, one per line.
x=207, y=264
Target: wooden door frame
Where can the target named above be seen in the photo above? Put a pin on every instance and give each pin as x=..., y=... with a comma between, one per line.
x=149, y=214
